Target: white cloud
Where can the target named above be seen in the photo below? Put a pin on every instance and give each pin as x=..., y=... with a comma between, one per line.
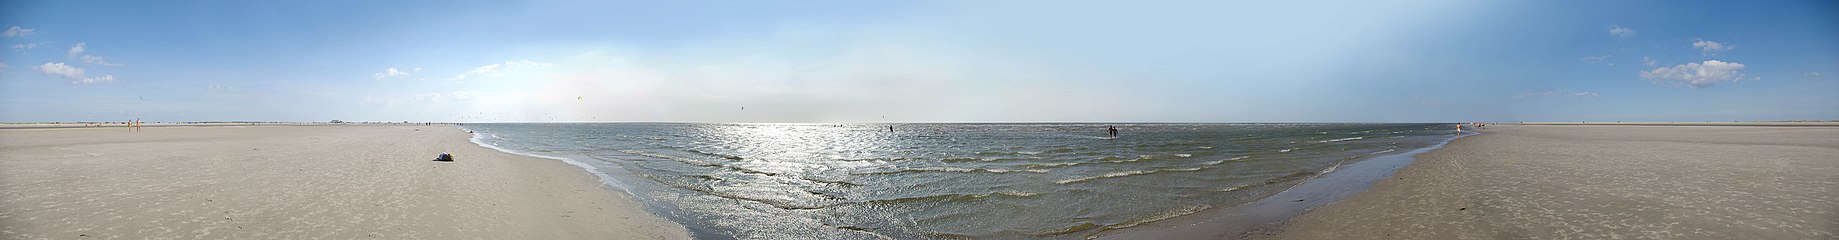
x=1696, y=75
x=74, y=74
x=463, y=95
x=390, y=72
x=417, y=69
x=1565, y=94
x=1621, y=32
x=1711, y=46
x=78, y=50
x=493, y=69
x=426, y=97
x=1596, y=59
x=1813, y=74
x=220, y=88
x=25, y=46
x=98, y=60
x=1649, y=61
x=455, y=96
x=18, y=32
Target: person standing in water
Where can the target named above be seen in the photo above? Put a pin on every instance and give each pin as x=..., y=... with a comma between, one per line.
x=1113, y=130
x=890, y=128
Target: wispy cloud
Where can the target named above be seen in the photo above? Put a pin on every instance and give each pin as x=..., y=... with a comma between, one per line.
x=492, y=69
x=391, y=72
x=1649, y=61
x=1621, y=32
x=453, y=96
x=1696, y=75
x=99, y=60
x=1562, y=94
x=1711, y=47
x=1812, y=74
x=74, y=74
x=78, y=49
x=18, y=32
x=1596, y=59
x=23, y=46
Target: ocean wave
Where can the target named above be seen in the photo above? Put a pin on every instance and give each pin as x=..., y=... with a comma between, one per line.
x=951, y=197
x=1081, y=227
x=719, y=155
x=1116, y=159
x=828, y=181
x=967, y=159
x=684, y=160
x=1235, y=159
x=1287, y=177
x=1342, y=139
x=1126, y=174
x=1232, y=188
x=885, y=159
x=1048, y=165
x=1159, y=216
x=478, y=138
x=822, y=200
x=951, y=169
x=1287, y=150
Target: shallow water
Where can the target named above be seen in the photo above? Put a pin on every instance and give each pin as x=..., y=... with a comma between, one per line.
x=1003, y=181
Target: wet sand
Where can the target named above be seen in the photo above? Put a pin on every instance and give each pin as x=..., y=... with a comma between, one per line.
x=338, y=182
x=1601, y=182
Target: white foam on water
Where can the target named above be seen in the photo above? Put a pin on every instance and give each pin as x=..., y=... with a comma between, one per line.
x=604, y=178
x=1344, y=139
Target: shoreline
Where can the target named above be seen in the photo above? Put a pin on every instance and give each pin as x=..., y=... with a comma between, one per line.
x=1340, y=181
x=608, y=183
x=1600, y=181
x=290, y=181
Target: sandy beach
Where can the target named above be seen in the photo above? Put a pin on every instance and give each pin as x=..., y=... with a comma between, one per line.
x=337, y=182
x=1601, y=182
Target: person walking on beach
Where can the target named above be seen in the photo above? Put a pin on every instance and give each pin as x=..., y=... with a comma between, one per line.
x=1113, y=130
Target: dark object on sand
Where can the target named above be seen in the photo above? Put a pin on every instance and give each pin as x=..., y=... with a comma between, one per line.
x=444, y=158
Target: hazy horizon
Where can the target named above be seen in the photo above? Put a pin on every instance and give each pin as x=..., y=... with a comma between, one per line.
x=948, y=61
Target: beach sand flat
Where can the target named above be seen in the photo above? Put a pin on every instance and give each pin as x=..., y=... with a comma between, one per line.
x=1602, y=182
x=336, y=182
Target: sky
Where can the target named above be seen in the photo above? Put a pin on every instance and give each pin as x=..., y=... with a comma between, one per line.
x=919, y=61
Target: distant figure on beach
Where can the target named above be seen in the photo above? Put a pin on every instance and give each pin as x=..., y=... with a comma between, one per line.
x=890, y=128
x=1113, y=131
x=1458, y=128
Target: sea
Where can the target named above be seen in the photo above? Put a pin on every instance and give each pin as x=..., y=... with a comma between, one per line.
x=949, y=180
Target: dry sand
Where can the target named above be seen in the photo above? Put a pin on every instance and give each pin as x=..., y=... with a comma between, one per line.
x=262, y=182
x=1602, y=182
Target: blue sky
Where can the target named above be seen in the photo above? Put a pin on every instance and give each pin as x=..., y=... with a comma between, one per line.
x=925, y=61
